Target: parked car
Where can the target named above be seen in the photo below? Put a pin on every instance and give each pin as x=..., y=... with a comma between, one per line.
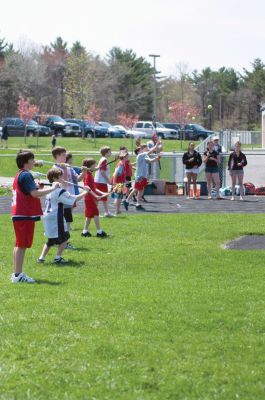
x=195, y=132
x=160, y=130
x=119, y=132
x=113, y=132
x=173, y=125
x=62, y=128
x=89, y=128
x=16, y=127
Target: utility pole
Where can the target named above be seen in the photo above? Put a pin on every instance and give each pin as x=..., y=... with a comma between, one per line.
x=154, y=82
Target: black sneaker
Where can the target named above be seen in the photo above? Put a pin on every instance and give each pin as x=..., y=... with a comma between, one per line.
x=87, y=234
x=125, y=204
x=41, y=260
x=102, y=234
x=59, y=261
x=144, y=199
x=140, y=208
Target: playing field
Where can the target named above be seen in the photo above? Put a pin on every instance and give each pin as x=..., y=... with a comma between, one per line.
x=156, y=311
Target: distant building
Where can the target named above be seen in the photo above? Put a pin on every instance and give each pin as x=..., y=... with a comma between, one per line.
x=263, y=124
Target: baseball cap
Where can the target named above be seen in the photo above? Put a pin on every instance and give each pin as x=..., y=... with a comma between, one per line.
x=216, y=138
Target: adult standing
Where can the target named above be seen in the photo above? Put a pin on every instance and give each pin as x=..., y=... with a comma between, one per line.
x=192, y=161
x=236, y=163
x=212, y=159
x=218, y=148
x=4, y=137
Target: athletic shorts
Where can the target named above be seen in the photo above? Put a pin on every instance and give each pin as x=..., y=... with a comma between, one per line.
x=67, y=213
x=56, y=241
x=91, y=209
x=192, y=171
x=212, y=170
x=24, y=231
x=236, y=172
x=103, y=187
x=140, y=185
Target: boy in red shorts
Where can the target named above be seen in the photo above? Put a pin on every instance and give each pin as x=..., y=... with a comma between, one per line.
x=91, y=207
x=26, y=209
x=102, y=177
x=141, y=174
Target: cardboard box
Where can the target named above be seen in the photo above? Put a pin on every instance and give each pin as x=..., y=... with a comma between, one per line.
x=170, y=189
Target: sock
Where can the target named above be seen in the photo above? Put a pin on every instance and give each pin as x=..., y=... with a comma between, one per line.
x=85, y=230
x=99, y=231
x=57, y=257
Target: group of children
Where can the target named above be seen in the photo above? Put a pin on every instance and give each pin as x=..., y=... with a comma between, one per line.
x=63, y=194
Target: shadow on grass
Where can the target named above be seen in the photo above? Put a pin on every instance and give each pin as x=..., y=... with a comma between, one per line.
x=46, y=282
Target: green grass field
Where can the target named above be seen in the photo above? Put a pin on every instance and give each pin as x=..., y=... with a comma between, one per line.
x=157, y=311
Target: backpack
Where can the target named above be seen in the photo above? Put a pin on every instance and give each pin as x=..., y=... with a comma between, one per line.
x=249, y=188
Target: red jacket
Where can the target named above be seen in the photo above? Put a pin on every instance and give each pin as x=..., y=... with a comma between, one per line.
x=24, y=206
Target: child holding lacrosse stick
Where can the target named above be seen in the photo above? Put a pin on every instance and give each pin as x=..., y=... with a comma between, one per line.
x=102, y=177
x=91, y=207
x=26, y=209
x=141, y=174
x=118, y=180
x=55, y=226
x=71, y=176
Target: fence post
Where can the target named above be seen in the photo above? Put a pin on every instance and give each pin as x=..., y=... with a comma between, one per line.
x=174, y=167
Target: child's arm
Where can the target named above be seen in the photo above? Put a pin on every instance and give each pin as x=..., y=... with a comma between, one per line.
x=83, y=172
x=43, y=192
x=152, y=160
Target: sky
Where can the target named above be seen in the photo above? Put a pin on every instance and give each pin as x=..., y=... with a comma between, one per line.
x=192, y=33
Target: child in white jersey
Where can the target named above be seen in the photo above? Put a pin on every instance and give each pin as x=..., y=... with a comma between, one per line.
x=55, y=226
x=70, y=175
x=102, y=177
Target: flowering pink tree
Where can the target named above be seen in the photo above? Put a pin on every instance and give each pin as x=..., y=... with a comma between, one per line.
x=26, y=111
x=93, y=115
x=127, y=120
x=182, y=112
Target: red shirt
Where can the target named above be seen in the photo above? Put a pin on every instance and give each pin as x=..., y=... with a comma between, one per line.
x=119, y=174
x=24, y=206
x=89, y=181
x=128, y=168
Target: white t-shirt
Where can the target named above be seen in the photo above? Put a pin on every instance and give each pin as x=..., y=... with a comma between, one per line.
x=72, y=176
x=53, y=218
x=142, y=165
x=99, y=178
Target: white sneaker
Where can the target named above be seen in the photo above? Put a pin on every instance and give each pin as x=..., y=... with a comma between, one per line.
x=109, y=215
x=232, y=198
x=22, y=277
x=241, y=198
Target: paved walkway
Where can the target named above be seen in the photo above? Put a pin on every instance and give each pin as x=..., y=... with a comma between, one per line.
x=178, y=204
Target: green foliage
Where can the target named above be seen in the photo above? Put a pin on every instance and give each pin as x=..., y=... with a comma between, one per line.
x=157, y=311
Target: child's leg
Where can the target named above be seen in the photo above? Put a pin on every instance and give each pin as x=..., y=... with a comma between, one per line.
x=139, y=196
x=118, y=206
x=87, y=223
x=133, y=192
x=60, y=249
x=19, y=255
x=96, y=220
x=44, y=252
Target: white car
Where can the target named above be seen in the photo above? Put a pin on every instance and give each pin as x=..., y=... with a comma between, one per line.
x=149, y=128
x=130, y=133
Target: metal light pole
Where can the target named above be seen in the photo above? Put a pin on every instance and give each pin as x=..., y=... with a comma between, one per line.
x=154, y=82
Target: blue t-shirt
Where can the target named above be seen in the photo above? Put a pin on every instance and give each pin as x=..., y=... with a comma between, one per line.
x=26, y=182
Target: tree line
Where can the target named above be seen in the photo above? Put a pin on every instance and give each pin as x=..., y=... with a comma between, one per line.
x=67, y=81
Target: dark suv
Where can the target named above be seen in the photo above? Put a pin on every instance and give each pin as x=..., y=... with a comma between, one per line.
x=16, y=127
x=89, y=128
x=62, y=128
x=195, y=132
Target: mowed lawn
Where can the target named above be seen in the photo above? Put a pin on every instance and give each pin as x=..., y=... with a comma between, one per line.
x=156, y=311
